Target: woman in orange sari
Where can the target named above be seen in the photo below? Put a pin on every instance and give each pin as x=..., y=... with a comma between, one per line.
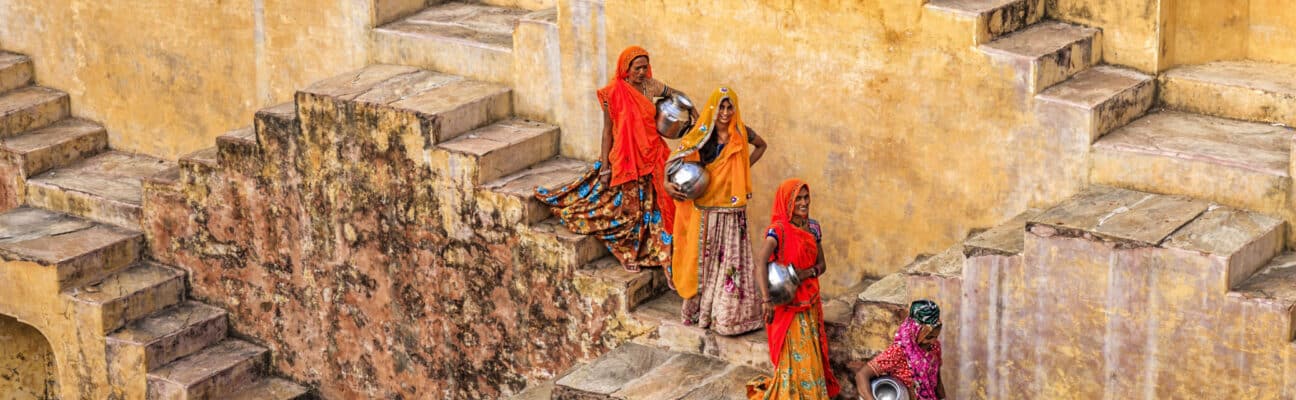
x=622, y=199
x=712, y=265
x=797, y=341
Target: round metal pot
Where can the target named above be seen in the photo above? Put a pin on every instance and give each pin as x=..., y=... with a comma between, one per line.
x=888, y=388
x=673, y=116
x=783, y=283
x=692, y=178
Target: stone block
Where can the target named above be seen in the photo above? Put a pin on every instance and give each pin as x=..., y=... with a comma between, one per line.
x=541, y=391
x=199, y=165
x=55, y=146
x=1004, y=239
x=503, y=148
x=993, y=18
x=171, y=333
x=731, y=384
x=104, y=188
x=566, y=247
x=15, y=71
x=606, y=280
x=602, y=377
x=673, y=379
x=1106, y=97
x=211, y=373
x=1247, y=90
x=749, y=349
x=129, y=294
x=271, y=389
x=1045, y=54
x=30, y=108
x=1270, y=295
x=1125, y=217
x=470, y=40
x=81, y=251
x=1234, y=163
x=511, y=199
x=238, y=150
x=1239, y=242
x=880, y=310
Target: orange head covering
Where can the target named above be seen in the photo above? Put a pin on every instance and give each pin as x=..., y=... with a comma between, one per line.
x=623, y=63
x=637, y=149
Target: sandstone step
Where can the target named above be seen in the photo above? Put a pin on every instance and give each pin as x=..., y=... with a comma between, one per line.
x=82, y=251
x=462, y=38
x=1235, y=163
x=54, y=146
x=1248, y=90
x=1128, y=218
x=1239, y=242
x=606, y=280
x=275, y=125
x=271, y=389
x=211, y=373
x=641, y=372
x=201, y=163
x=505, y=147
x=238, y=149
x=513, y=196
x=16, y=71
x=421, y=105
x=532, y=5
x=131, y=293
x=994, y=18
x=1046, y=53
x=749, y=349
x=541, y=391
x=1005, y=239
x=104, y=188
x=1108, y=97
x=880, y=308
x=574, y=249
x=29, y=108
x=169, y=334
x=1272, y=293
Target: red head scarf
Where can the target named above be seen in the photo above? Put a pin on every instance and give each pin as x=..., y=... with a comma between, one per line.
x=637, y=150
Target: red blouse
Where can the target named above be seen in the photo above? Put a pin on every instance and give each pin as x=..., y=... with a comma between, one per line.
x=893, y=362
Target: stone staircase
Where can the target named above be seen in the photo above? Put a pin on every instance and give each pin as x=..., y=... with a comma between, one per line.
x=73, y=207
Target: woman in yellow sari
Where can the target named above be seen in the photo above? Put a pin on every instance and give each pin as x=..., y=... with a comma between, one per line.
x=711, y=264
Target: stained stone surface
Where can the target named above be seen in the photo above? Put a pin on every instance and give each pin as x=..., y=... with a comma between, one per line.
x=343, y=249
x=1140, y=219
x=1046, y=53
x=1004, y=239
x=611, y=372
x=1242, y=89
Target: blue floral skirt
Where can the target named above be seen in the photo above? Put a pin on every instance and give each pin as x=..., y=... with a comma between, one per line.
x=623, y=216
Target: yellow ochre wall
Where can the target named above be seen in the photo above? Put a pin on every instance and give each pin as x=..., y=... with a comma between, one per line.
x=167, y=77
x=28, y=363
x=904, y=132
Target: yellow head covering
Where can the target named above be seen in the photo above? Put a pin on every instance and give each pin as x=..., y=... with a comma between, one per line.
x=730, y=187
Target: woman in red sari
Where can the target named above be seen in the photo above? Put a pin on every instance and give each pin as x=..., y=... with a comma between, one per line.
x=797, y=340
x=623, y=199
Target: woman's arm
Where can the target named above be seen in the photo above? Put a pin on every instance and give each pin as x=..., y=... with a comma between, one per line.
x=605, y=174
x=758, y=142
x=863, y=378
x=761, y=258
x=940, y=387
x=816, y=271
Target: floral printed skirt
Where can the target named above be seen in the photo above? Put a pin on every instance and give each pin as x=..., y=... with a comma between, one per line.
x=728, y=301
x=799, y=374
x=623, y=216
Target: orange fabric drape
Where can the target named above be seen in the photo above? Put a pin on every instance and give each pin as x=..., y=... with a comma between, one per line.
x=730, y=186
x=799, y=248
x=637, y=150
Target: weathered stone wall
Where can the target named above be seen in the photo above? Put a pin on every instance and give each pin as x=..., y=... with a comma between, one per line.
x=28, y=363
x=337, y=244
x=166, y=78
x=1272, y=36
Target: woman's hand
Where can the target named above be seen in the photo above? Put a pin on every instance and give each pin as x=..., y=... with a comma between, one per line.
x=605, y=173
x=803, y=274
x=767, y=310
x=674, y=191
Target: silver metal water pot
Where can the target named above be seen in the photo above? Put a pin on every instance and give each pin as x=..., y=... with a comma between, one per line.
x=673, y=116
x=783, y=283
x=888, y=388
x=692, y=178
